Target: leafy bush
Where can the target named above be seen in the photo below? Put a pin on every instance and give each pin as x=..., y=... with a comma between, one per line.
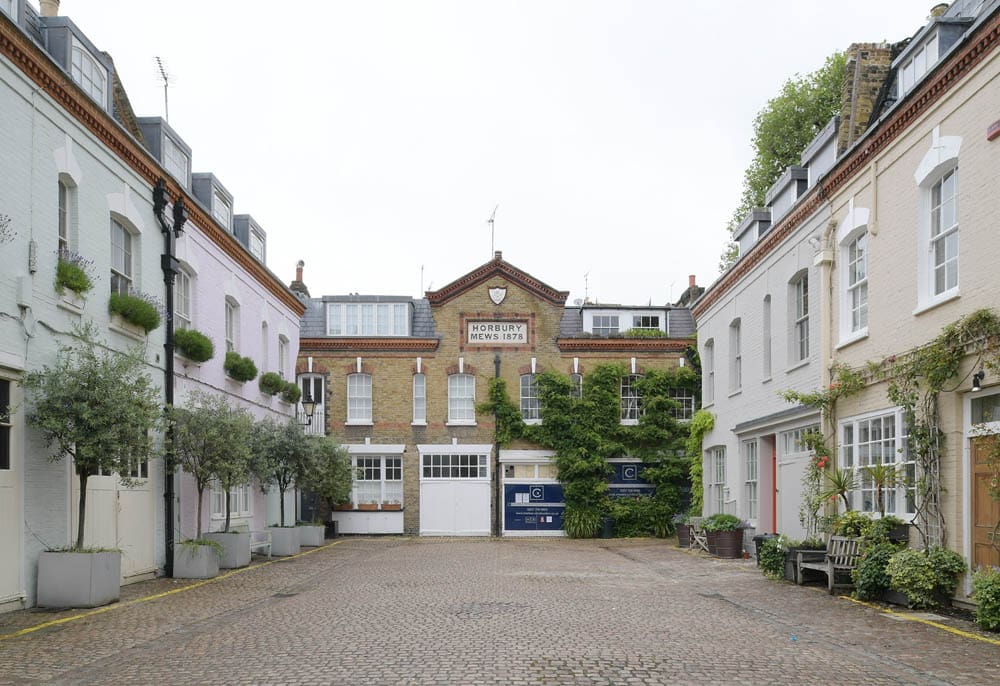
x=239, y=367
x=771, y=558
x=645, y=333
x=870, y=578
x=581, y=523
x=721, y=522
x=194, y=345
x=190, y=546
x=878, y=530
x=73, y=272
x=812, y=543
x=851, y=524
x=271, y=383
x=986, y=592
x=291, y=392
x=923, y=575
x=644, y=516
x=137, y=309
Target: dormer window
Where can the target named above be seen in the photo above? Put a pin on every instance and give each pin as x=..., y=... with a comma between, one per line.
x=918, y=64
x=646, y=321
x=605, y=324
x=9, y=7
x=89, y=74
x=257, y=245
x=368, y=319
x=222, y=210
x=175, y=160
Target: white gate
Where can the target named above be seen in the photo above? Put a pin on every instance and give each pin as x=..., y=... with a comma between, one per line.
x=790, y=473
x=455, y=490
x=10, y=496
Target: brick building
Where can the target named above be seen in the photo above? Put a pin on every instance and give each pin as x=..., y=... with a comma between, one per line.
x=397, y=380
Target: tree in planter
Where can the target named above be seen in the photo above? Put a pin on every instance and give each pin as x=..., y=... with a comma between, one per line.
x=97, y=407
x=209, y=435
x=330, y=478
x=282, y=457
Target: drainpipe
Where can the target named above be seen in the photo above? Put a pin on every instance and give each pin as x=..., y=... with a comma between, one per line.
x=170, y=267
x=497, y=528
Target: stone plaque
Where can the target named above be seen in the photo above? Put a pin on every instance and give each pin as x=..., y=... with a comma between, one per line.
x=498, y=333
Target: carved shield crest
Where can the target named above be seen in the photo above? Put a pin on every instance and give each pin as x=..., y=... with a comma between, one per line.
x=497, y=294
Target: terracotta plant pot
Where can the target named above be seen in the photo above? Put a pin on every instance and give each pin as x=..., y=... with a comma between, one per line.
x=684, y=535
x=726, y=544
x=392, y=506
x=368, y=507
x=346, y=507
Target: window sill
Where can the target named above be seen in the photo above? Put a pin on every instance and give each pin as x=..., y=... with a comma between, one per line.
x=852, y=338
x=464, y=423
x=797, y=365
x=939, y=300
x=359, y=422
x=119, y=325
x=418, y=423
x=71, y=302
x=733, y=394
x=766, y=379
x=629, y=422
x=532, y=422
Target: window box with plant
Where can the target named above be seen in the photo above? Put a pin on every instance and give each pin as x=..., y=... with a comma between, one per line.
x=271, y=383
x=291, y=393
x=194, y=345
x=239, y=368
x=140, y=310
x=73, y=274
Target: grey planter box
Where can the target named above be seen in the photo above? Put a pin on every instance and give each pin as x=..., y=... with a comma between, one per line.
x=284, y=540
x=235, y=548
x=79, y=579
x=195, y=562
x=311, y=535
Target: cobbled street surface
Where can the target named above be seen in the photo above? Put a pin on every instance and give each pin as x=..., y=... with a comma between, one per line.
x=480, y=611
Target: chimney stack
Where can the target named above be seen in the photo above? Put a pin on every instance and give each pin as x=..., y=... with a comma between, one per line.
x=298, y=286
x=866, y=71
x=49, y=8
x=691, y=281
x=298, y=270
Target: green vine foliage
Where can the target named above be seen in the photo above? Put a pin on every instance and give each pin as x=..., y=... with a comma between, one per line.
x=846, y=382
x=509, y=424
x=702, y=422
x=771, y=559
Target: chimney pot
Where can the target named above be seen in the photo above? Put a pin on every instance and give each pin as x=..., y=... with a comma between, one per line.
x=691, y=281
x=298, y=270
x=497, y=255
x=939, y=10
x=49, y=8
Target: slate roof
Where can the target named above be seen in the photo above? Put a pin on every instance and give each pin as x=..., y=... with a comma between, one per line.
x=313, y=322
x=680, y=321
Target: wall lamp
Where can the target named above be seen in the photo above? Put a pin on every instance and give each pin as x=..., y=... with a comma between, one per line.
x=309, y=408
x=161, y=197
x=977, y=380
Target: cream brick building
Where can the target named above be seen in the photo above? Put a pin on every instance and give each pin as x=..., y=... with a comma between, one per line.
x=397, y=380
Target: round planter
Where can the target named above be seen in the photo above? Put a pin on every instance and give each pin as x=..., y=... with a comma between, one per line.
x=684, y=535
x=726, y=544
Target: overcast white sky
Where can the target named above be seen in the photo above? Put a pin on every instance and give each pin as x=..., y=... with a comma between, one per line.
x=373, y=139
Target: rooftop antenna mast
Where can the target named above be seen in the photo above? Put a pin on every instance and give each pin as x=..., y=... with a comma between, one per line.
x=586, y=287
x=490, y=222
x=166, y=82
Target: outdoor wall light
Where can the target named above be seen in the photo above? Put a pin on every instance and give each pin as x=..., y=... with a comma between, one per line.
x=977, y=380
x=309, y=408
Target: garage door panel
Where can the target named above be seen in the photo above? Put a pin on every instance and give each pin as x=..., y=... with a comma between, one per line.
x=455, y=508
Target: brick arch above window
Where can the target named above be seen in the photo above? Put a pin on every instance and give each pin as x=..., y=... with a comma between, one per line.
x=353, y=369
x=526, y=369
x=302, y=367
x=466, y=369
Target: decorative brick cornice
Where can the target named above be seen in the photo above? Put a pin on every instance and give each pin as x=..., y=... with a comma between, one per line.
x=946, y=76
x=40, y=68
x=493, y=269
x=307, y=345
x=637, y=345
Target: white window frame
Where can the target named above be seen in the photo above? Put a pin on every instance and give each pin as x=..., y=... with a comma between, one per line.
x=939, y=162
x=765, y=337
x=852, y=233
x=751, y=478
x=10, y=8
x=686, y=400
x=419, y=399
x=359, y=399
x=631, y=400
x=919, y=63
x=605, y=325
x=282, y=356
x=256, y=245
x=241, y=502
x=222, y=209
x=799, y=343
x=65, y=217
x=459, y=465
x=864, y=440
x=88, y=73
x=313, y=386
x=175, y=160
x=944, y=251
x=182, y=300
x=462, y=400
x=371, y=482
x=122, y=258
x=232, y=319
x=717, y=483
x=576, y=385
x=531, y=406
x=708, y=392
x=649, y=322
x=6, y=426
x=364, y=319
x=735, y=356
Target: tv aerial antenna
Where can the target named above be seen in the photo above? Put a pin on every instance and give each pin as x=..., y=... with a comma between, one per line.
x=490, y=222
x=167, y=79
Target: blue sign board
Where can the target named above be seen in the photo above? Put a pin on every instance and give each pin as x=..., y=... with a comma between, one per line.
x=626, y=482
x=533, y=507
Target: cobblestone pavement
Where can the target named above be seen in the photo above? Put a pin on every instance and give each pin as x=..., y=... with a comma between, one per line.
x=480, y=611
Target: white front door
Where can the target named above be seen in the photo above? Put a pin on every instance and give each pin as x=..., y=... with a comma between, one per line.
x=789, y=497
x=10, y=494
x=455, y=490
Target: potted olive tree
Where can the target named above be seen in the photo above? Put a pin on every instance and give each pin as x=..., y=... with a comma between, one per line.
x=207, y=435
x=99, y=408
x=328, y=480
x=229, y=474
x=282, y=457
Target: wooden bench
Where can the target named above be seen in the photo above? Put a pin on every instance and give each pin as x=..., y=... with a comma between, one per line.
x=841, y=557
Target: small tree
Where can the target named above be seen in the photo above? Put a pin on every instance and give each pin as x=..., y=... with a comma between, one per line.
x=98, y=407
x=210, y=436
x=330, y=478
x=282, y=456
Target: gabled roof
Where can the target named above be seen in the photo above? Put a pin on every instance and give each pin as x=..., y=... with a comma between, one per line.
x=492, y=269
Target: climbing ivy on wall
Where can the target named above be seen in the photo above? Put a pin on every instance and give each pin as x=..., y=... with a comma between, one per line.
x=702, y=422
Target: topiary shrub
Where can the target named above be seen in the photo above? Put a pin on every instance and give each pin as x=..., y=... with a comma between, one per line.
x=771, y=558
x=271, y=383
x=870, y=578
x=986, y=593
x=240, y=368
x=139, y=310
x=291, y=393
x=924, y=576
x=194, y=345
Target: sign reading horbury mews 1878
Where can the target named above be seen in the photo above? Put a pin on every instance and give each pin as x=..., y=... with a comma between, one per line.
x=498, y=333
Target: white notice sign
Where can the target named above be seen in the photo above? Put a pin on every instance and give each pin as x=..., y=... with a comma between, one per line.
x=498, y=333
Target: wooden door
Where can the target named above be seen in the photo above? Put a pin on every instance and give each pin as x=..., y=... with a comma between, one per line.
x=985, y=508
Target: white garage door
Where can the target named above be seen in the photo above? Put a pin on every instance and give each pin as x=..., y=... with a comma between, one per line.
x=455, y=490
